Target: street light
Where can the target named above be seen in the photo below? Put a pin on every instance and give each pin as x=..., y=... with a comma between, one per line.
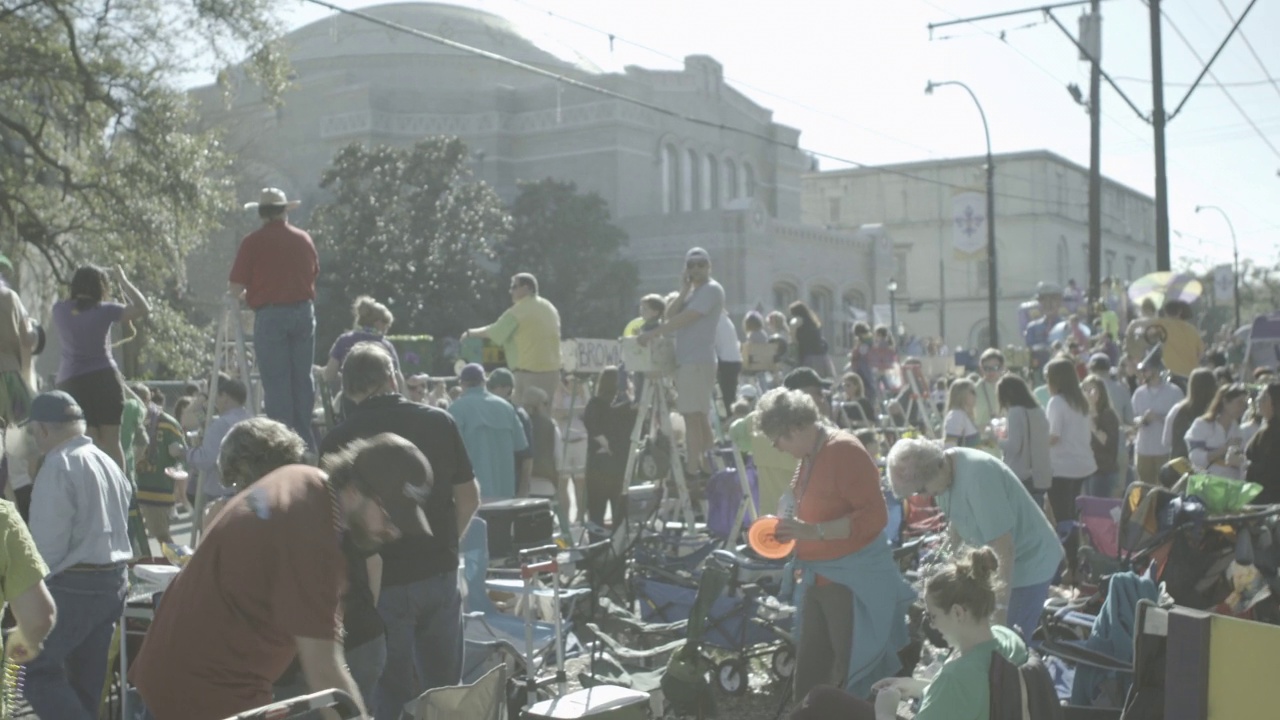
x=992, y=315
x=893, y=309
x=1235, y=252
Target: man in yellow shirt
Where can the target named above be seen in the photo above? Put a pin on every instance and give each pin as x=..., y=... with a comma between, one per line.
x=529, y=333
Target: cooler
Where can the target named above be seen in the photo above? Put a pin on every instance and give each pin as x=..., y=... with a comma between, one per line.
x=517, y=524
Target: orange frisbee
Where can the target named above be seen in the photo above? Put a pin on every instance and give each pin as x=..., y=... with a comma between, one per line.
x=762, y=538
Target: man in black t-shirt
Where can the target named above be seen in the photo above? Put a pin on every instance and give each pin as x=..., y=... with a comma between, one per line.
x=417, y=595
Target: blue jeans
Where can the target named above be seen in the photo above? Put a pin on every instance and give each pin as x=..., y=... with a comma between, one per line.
x=1103, y=485
x=1026, y=604
x=284, y=341
x=65, y=680
x=424, y=640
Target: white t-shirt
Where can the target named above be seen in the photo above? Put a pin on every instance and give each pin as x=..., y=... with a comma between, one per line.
x=958, y=424
x=1160, y=400
x=1072, y=456
x=728, y=348
x=1206, y=437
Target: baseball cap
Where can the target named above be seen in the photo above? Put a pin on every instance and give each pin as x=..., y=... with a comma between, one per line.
x=54, y=406
x=697, y=253
x=501, y=377
x=396, y=473
x=803, y=377
x=1099, y=361
x=472, y=374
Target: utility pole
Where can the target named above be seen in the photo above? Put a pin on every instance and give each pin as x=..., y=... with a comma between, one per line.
x=1158, y=118
x=1093, y=42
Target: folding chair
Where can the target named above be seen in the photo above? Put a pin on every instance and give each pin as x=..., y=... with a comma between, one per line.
x=485, y=699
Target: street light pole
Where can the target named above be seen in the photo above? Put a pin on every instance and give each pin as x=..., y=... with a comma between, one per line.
x=893, y=311
x=1235, y=262
x=993, y=336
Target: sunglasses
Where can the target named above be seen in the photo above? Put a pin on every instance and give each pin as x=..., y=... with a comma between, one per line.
x=992, y=368
x=697, y=263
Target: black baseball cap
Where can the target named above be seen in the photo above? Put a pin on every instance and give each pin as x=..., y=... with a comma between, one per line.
x=396, y=473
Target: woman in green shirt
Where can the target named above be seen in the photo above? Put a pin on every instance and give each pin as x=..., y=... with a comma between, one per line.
x=960, y=600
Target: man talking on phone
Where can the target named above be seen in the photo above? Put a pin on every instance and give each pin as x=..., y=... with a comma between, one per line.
x=692, y=321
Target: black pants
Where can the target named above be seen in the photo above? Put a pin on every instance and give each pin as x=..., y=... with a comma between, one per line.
x=1062, y=498
x=605, y=491
x=727, y=376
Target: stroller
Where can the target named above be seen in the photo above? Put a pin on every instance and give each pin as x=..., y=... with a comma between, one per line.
x=743, y=621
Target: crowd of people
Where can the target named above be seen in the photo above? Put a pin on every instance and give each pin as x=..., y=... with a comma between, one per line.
x=330, y=552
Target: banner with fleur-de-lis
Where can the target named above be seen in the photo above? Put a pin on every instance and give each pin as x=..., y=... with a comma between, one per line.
x=969, y=225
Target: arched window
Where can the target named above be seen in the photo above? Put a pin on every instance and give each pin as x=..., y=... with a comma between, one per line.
x=670, y=179
x=1064, y=258
x=784, y=293
x=710, y=182
x=730, y=180
x=821, y=302
x=748, y=180
x=688, y=181
x=853, y=302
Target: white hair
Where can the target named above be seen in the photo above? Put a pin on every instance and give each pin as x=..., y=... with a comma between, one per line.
x=912, y=464
x=781, y=411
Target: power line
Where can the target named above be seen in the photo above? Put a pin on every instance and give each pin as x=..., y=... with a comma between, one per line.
x=1237, y=84
x=1274, y=83
x=1225, y=91
x=614, y=37
x=653, y=107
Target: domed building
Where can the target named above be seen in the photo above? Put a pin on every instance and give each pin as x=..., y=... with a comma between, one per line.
x=671, y=184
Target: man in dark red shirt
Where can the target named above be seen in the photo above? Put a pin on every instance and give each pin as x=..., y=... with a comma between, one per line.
x=267, y=581
x=275, y=273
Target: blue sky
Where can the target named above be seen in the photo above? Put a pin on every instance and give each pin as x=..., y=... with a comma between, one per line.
x=850, y=74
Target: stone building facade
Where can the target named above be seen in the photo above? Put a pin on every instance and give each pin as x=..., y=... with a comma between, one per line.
x=670, y=183
x=1042, y=234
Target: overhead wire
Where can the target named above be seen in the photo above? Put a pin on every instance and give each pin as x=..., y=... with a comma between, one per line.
x=1225, y=91
x=614, y=37
x=1236, y=84
x=651, y=106
x=1274, y=82
x=1143, y=140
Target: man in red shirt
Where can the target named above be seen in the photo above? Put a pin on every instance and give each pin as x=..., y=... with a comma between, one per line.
x=267, y=582
x=275, y=273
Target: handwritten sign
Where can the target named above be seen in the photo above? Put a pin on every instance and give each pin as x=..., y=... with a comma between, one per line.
x=588, y=355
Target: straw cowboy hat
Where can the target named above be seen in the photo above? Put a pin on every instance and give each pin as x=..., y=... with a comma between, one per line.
x=272, y=197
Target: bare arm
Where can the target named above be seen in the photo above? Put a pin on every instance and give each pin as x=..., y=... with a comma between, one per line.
x=466, y=498
x=36, y=615
x=325, y=668
x=331, y=370
x=137, y=306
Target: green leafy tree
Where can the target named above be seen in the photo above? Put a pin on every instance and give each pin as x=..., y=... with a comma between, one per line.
x=98, y=158
x=411, y=227
x=569, y=242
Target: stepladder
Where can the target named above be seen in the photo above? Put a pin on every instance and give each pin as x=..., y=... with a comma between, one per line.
x=654, y=418
x=232, y=352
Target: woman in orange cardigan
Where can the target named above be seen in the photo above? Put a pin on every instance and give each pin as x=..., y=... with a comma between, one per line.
x=851, y=599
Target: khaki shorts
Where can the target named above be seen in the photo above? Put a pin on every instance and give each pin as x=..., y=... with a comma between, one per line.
x=694, y=385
